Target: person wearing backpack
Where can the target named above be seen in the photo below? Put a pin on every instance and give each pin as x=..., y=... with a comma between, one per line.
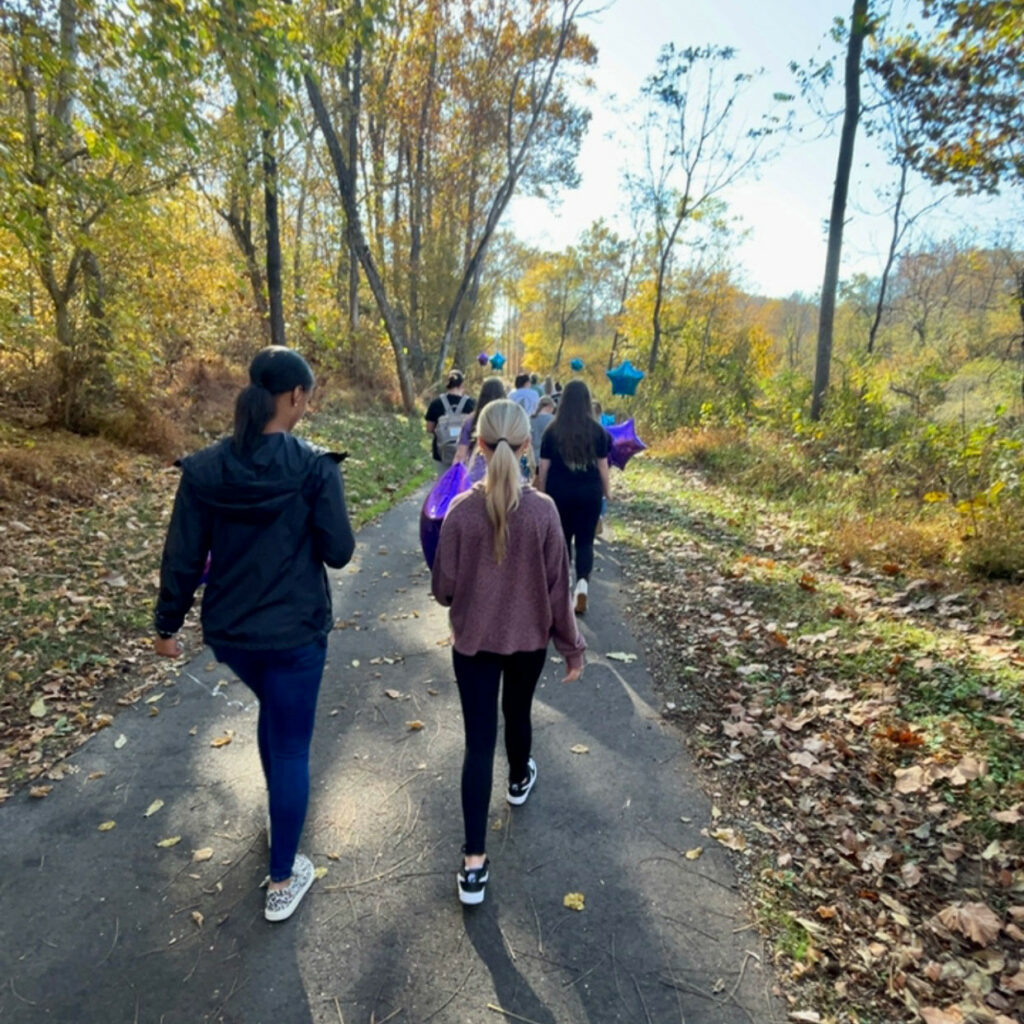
x=444, y=419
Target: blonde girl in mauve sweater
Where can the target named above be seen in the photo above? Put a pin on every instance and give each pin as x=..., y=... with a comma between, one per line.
x=502, y=569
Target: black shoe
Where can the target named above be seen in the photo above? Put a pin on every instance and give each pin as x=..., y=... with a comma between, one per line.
x=519, y=791
x=473, y=883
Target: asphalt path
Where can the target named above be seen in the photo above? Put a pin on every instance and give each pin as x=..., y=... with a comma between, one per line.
x=103, y=927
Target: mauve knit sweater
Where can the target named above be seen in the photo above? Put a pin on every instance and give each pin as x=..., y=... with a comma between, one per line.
x=515, y=606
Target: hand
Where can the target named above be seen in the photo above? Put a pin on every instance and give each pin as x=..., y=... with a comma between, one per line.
x=169, y=648
x=573, y=674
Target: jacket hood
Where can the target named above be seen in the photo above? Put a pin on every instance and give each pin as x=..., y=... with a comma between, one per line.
x=257, y=487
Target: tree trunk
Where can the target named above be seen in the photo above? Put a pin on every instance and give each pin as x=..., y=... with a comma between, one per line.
x=275, y=289
x=351, y=127
x=851, y=117
x=659, y=287
x=393, y=320
x=890, y=259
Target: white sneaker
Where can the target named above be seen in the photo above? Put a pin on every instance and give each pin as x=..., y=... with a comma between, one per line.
x=282, y=903
x=581, y=596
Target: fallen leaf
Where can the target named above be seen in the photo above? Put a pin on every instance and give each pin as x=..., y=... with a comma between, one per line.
x=579, y=748
x=106, y=826
x=319, y=872
x=38, y=792
x=223, y=741
x=415, y=725
x=198, y=918
x=1011, y=816
x=806, y=1016
x=95, y=775
x=169, y=841
x=120, y=741
x=933, y=1015
x=153, y=808
x=826, y=913
x=977, y=921
x=729, y=838
x=573, y=900
x=393, y=694
x=621, y=656
x=38, y=708
x=198, y=856
x=694, y=853
x=911, y=780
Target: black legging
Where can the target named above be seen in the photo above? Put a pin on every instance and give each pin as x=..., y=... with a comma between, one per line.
x=579, y=512
x=478, y=677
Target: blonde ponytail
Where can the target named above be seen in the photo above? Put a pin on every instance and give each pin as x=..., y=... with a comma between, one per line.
x=503, y=427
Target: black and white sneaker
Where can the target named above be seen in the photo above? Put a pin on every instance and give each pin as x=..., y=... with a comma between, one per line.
x=519, y=791
x=473, y=883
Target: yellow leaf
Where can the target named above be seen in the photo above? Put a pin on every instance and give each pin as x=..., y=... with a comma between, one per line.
x=573, y=900
x=319, y=872
x=38, y=709
x=694, y=853
x=153, y=808
x=580, y=748
x=106, y=826
x=934, y=496
x=415, y=726
x=198, y=856
x=169, y=841
x=223, y=741
x=730, y=838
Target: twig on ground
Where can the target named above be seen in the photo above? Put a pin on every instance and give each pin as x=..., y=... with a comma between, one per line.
x=747, y=955
x=117, y=932
x=509, y=1013
x=402, y=785
x=455, y=992
x=391, y=1015
x=337, y=1006
x=199, y=953
x=504, y=938
x=585, y=974
x=18, y=995
x=536, y=917
x=640, y=996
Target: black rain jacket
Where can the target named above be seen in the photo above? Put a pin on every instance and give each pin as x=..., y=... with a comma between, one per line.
x=270, y=524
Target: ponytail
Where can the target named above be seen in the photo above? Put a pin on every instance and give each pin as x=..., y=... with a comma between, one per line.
x=503, y=428
x=254, y=409
x=273, y=371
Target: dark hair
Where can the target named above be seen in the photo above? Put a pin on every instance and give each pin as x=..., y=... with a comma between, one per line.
x=492, y=388
x=522, y=380
x=273, y=371
x=455, y=379
x=572, y=429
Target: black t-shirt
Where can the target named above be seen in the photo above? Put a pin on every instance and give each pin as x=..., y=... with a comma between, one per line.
x=560, y=476
x=441, y=406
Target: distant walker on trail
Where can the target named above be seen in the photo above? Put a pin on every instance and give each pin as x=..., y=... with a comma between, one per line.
x=270, y=511
x=444, y=419
x=502, y=569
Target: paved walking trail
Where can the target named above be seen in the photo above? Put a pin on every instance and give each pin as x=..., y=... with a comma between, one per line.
x=102, y=927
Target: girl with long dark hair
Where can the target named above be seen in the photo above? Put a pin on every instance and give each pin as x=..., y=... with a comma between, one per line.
x=573, y=469
x=270, y=511
x=501, y=567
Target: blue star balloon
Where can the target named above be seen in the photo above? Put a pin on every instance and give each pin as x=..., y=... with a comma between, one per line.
x=624, y=378
x=483, y=358
x=607, y=419
x=497, y=361
x=625, y=443
x=576, y=364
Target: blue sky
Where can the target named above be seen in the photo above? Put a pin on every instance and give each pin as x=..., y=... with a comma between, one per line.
x=783, y=209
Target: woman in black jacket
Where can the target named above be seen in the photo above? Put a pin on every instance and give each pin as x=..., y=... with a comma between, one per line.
x=573, y=469
x=270, y=511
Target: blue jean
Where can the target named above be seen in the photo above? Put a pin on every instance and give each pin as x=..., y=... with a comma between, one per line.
x=287, y=683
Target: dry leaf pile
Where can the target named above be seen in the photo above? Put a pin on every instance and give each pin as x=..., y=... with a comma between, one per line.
x=864, y=735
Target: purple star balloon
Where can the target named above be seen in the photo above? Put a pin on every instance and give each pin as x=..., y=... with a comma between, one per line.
x=483, y=358
x=625, y=443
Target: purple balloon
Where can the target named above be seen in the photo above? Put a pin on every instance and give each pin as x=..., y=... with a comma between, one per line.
x=625, y=443
x=483, y=358
x=451, y=483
